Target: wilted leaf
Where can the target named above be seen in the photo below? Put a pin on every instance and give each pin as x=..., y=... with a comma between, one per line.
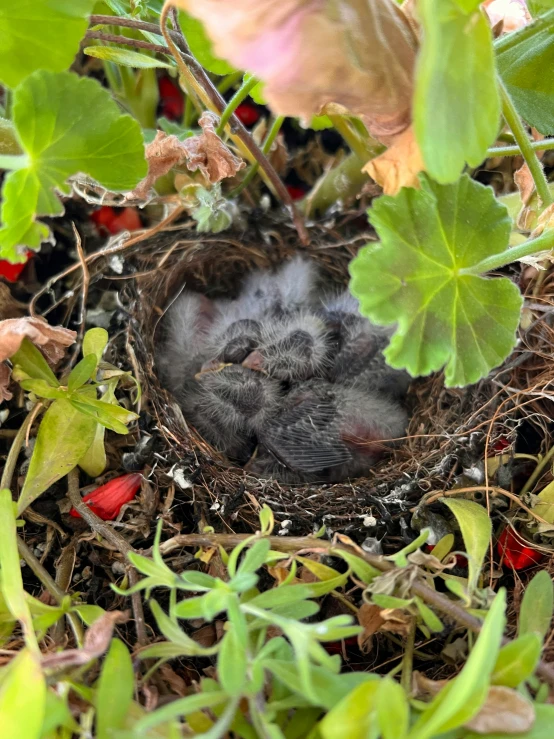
x=522, y=66
x=53, y=340
x=64, y=435
x=399, y=165
x=374, y=618
x=505, y=710
x=97, y=640
x=26, y=25
x=65, y=125
x=420, y=276
x=369, y=72
x=5, y=375
x=476, y=528
x=456, y=102
x=125, y=57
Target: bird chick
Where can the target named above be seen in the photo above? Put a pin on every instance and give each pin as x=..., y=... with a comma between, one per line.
x=187, y=325
x=359, y=359
x=228, y=405
x=293, y=349
x=330, y=432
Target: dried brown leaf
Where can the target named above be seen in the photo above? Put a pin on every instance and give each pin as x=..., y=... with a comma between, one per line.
x=424, y=687
x=97, y=640
x=370, y=619
x=525, y=183
x=399, y=165
x=286, y=44
x=5, y=374
x=505, y=712
x=209, y=154
x=9, y=306
x=53, y=340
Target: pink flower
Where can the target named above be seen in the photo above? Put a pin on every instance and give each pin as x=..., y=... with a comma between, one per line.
x=107, y=500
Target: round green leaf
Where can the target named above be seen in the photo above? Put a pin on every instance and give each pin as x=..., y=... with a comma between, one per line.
x=419, y=275
x=125, y=57
x=40, y=34
x=456, y=102
x=95, y=341
x=201, y=45
x=65, y=125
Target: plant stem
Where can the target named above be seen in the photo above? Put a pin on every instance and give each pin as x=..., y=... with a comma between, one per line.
x=342, y=182
x=268, y=143
x=241, y=94
x=537, y=471
x=528, y=153
x=13, y=454
x=544, y=242
x=513, y=151
x=408, y=659
x=137, y=43
x=365, y=149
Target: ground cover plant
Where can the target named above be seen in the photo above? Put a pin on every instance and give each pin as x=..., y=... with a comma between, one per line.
x=427, y=131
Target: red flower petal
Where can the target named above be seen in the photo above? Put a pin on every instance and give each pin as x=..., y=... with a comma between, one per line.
x=109, y=220
x=171, y=98
x=514, y=552
x=107, y=500
x=295, y=192
x=12, y=271
x=247, y=114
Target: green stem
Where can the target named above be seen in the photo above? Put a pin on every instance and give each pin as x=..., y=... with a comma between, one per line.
x=364, y=148
x=513, y=151
x=229, y=81
x=535, y=167
x=14, y=161
x=408, y=660
x=544, y=242
x=13, y=454
x=268, y=143
x=509, y=40
x=537, y=471
x=342, y=182
x=240, y=95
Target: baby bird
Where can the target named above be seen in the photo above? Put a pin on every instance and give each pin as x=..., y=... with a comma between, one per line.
x=293, y=349
x=359, y=359
x=329, y=432
x=228, y=406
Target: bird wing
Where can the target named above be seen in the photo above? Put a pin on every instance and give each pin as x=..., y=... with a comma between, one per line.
x=305, y=438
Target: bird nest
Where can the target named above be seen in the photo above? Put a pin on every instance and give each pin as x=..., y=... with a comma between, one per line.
x=450, y=431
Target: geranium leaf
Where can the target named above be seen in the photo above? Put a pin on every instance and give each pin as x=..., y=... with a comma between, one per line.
x=526, y=66
x=65, y=125
x=420, y=276
x=456, y=102
x=63, y=437
x=40, y=34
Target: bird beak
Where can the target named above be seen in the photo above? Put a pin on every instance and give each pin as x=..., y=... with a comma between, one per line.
x=254, y=361
x=214, y=365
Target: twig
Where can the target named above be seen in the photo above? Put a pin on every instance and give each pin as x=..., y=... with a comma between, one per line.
x=208, y=93
x=84, y=295
x=137, y=43
x=513, y=151
x=408, y=659
x=538, y=471
x=294, y=544
x=113, y=20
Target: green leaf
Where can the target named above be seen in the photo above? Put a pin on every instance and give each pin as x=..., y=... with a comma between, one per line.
x=177, y=636
x=231, y=664
x=544, y=503
x=419, y=276
x=63, y=437
x=462, y=697
x=430, y=619
x=111, y=416
x=456, y=102
x=126, y=58
x=66, y=125
x=393, y=711
x=320, y=122
x=355, y=716
x=40, y=34
x=399, y=558
x=23, y=697
x=537, y=605
x=94, y=461
x=201, y=45
x=115, y=690
x=525, y=65
x=257, y=94
x=255, y=557
x=95, y=341
x=33, y=363
x=536, y=7
x=517, y=661
x=364, y=571
x=42, y=389
x=180, y=707
x=476, y=528
x=82, y=372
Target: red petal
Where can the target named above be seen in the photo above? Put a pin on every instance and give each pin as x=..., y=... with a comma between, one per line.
x=107, y=500
x=295, y=192
x=514, y=553
x=108, y=219
x=12, y=271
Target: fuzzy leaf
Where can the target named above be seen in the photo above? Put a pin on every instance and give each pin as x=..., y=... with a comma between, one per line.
x=476, y=529
x=23, y=697
x=526, y=67
x=115, y=690
x=419, y=276
x=355, y=716
x=82, y=372
x=66, y=125
x=94, y=342
x=456, y=102
x=537, y=605
x=126, y=58
x=40, y=34
x=63, y=437
x=517, y=661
